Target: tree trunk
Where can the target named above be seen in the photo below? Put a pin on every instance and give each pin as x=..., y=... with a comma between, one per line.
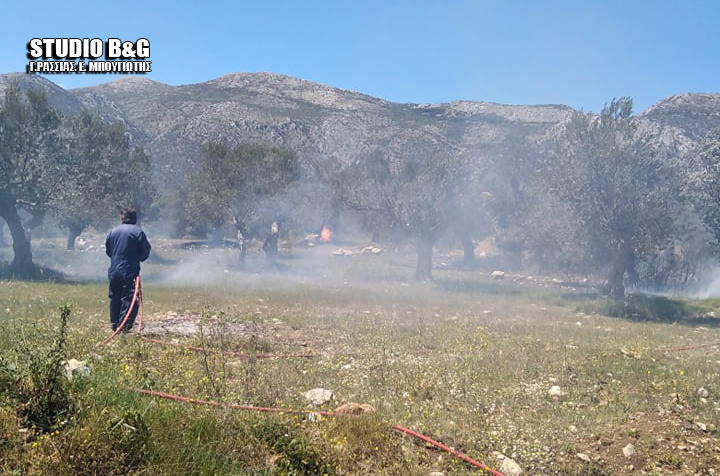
x=22, y=264
x=270, y=245
x=243, y=248
x=73, y=232
x=633, y=276
x=423, y=270
x=468, y=251
x=621, y=263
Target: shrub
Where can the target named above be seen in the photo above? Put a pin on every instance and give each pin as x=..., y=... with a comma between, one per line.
x=37, y=383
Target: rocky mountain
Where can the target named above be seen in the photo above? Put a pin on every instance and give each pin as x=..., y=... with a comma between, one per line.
x=683, y=120
x=173, y=122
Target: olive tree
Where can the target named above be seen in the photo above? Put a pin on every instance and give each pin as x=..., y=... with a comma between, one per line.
x=410, y=194
x=32, y=169
x=243, y=185
x=704, y=182
x=76, y=169
x=619, y=189
x=106, y=174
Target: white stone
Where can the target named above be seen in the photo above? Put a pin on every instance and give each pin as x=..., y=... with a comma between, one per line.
x=497, y=274
x=702, y=392
x=556, y=391
x=510, y=467
x=74, y=368
x=372, y=249
x=318, y=396
x=629, y=450
x=584, y=457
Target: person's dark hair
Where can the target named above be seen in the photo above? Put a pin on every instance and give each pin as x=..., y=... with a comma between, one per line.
x=128, y=215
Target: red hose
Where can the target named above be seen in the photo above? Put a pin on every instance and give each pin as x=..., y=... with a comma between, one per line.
x=399, y=428
x=447, y=449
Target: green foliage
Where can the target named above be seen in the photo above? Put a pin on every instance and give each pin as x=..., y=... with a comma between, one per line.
x=620, y=191
x=37, y=383
x=411, y=195
x=109, y=445
x=670, y=459
x=30, y=159
x=106, y=174
x=80, y=169
x=31, y=165
x=703, y=185
x=130, y=436
x=244, y=186
x=299, y=455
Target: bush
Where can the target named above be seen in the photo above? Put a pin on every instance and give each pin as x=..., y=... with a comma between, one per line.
x=36, y=385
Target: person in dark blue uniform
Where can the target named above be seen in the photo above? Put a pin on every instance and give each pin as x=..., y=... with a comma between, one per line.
x=127, y=246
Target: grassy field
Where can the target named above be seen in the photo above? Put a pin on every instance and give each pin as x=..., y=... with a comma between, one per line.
x=466, y=360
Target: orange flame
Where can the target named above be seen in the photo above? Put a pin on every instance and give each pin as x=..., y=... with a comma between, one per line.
x=325, y=234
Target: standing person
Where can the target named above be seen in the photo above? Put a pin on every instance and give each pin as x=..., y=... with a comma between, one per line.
x=127, y=246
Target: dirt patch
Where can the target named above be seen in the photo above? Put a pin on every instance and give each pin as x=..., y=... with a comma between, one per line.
x=663, y=444
x=186, y=324
x=266, y=335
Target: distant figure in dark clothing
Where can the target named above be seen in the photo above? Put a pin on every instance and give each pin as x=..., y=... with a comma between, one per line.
x=127, y=246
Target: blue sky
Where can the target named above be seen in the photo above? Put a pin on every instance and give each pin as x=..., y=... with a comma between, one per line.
x=581, y=53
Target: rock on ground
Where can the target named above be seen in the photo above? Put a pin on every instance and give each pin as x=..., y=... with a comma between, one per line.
x=352, y=408
x=510, y=467
x=318, y=396
x=629, y=450
x=74, y=368
x=556, y=391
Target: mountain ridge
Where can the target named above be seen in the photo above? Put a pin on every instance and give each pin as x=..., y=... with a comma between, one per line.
x=174, y=122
